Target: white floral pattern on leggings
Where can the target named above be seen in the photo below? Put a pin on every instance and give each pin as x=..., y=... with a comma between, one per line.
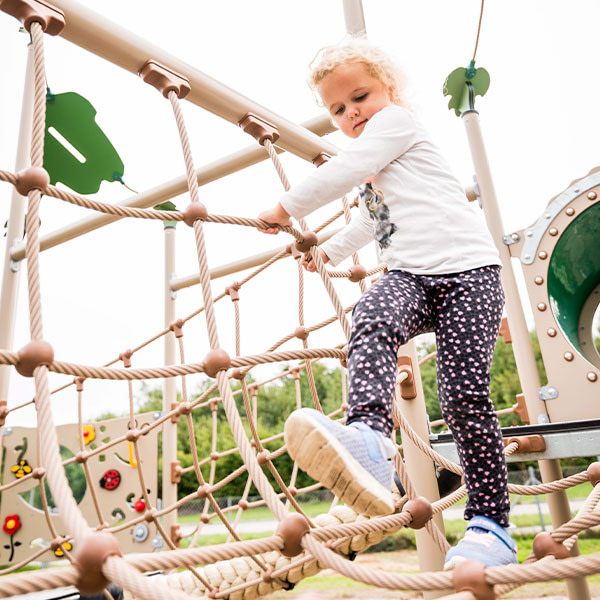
x=464, y=310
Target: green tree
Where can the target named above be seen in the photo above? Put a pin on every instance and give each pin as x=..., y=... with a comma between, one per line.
x=504, y=378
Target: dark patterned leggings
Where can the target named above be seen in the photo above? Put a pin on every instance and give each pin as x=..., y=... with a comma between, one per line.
x=464, y=310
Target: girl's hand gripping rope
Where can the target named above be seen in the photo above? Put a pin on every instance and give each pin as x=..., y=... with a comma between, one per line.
x=309, y=264
x=276, y=216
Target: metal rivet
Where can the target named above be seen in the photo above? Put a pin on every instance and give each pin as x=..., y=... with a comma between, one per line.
x=551, y=332
x=592, y=376
x=539, y=280
x=592, y=195
x=570, y=211
x=527, y=256
x=529, y=234
x=577, y=190
x=543, y=254
x=568, y=356
x=541, y=306
x=547, y=216
x=140, y=533
x=515, y=237
x=553, y=231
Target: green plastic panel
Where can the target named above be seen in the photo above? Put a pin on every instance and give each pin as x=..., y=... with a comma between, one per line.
x=455, y=86
x=574, y=271
x=73, y=117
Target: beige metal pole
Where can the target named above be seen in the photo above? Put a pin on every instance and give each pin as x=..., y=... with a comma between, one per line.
x=355, y=18
x=169, y=437
x=420, y=468
x=116, y=44
x=523, y=351
x=16, y=222
x=320, y=125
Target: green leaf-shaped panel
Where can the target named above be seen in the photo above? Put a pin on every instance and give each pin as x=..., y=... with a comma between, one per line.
x=455, y=86
x=73, y=118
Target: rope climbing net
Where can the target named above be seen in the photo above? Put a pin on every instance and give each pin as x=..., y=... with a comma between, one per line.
x=301, y=545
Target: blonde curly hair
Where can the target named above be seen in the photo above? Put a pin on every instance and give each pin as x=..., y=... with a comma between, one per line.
x=358, y=50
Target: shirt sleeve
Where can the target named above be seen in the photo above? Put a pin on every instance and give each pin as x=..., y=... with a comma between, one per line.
x=354, y=236
x=386, y=137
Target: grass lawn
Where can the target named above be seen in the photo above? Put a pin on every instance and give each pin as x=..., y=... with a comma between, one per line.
x=313, y=509
x=260, y=513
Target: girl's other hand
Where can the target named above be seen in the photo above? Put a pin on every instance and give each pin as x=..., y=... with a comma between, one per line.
x=277, y=215
x=309, y=263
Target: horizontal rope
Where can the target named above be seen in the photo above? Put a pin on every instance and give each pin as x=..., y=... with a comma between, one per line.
x=90, y=372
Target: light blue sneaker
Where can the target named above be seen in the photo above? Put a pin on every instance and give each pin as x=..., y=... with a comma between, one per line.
x=352, y=461
x=485, y=541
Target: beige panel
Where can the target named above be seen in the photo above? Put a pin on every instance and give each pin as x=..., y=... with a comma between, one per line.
x=33, y=521
x=568, y=370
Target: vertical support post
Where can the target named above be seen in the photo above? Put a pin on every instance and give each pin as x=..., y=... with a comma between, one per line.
x=420, y=469
x=16, y=221
x=355, y=18
x=169, y=437
x=550, y=469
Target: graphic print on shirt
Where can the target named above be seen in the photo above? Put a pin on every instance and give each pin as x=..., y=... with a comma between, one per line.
x=383, y=228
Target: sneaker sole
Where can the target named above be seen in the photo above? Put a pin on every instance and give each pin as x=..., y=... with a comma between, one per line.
x=454, y=562
x=325, y=459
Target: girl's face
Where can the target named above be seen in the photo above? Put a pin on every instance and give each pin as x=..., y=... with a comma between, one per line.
x=352, y=97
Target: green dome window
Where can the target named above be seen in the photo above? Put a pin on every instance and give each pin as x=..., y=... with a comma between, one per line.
x=574, y=275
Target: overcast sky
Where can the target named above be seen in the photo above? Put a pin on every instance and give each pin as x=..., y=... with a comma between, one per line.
x=103, y=293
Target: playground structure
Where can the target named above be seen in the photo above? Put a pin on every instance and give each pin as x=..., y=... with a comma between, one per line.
x=564, y=299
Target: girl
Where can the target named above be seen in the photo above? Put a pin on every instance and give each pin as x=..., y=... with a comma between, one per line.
x=443, y=275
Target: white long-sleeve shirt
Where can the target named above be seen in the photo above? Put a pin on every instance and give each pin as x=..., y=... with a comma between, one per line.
x=428, y=226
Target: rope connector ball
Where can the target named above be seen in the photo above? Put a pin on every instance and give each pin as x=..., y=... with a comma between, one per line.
x=469, y=576
x=291, y=530
x=263, y=457
x=301, y=333
x=33, y=355
x=593, y=472
x=309, y=239
x=544, y=544
x=238, y=374
x=195, y=211
x=91, y=554
x=203, y=491
x=216, y=360
x=51, y=19
x=420, y=510
x=357, y=273
x=32, y=178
